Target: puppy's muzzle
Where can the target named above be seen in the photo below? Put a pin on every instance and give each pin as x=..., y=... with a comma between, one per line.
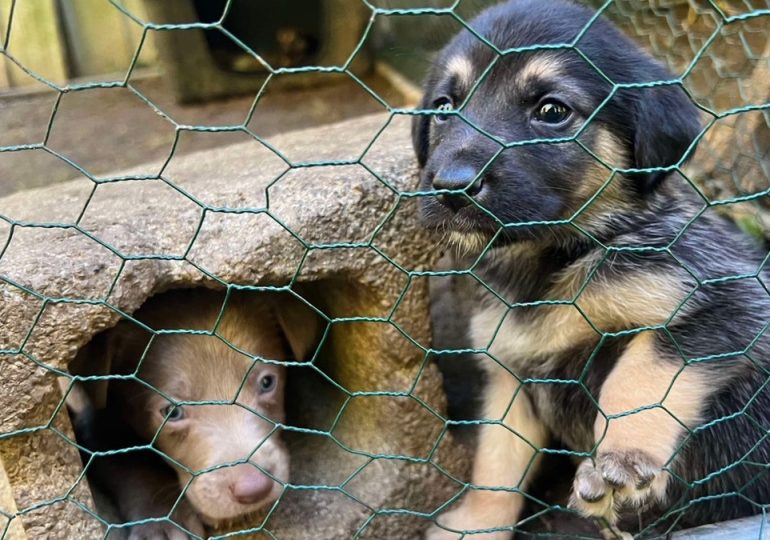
x=463, y=180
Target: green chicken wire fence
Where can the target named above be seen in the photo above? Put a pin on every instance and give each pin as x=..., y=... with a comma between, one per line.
x=718, y=50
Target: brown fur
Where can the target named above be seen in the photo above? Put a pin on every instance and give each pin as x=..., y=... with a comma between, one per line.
x=196, y=368
x=225, y=454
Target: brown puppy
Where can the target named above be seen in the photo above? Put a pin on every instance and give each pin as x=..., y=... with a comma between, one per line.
x=210, y=400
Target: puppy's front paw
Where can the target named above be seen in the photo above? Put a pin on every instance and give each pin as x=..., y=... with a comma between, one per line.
x=461, y=519
x=617, y=480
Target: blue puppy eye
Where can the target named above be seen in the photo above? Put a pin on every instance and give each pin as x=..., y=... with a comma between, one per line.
x=443, y=104
x=267, y=384
x=552, y=112
x=172, y=413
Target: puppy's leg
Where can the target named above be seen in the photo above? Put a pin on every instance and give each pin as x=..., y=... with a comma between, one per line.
x=506, y=455
x=149, y=491
x=648, y=402
x=138, y=483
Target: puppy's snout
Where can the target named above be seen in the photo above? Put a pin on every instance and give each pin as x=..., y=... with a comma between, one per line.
x=250, y=485
x=461, y=178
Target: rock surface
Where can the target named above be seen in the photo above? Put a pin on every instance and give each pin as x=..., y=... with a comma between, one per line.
x=72, y=258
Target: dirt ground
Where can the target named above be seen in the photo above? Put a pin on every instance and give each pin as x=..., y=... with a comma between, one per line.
x=108, y=130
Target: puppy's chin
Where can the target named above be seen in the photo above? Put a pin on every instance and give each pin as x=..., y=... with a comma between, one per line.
x=469, y=230
x=468, y=243
x=469, y=219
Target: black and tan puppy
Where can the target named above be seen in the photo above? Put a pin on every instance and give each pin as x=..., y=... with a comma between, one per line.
x=629, y=319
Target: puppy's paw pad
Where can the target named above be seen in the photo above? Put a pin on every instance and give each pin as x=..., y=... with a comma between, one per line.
x=628, y=470
x=591, y=495
x=589, y=484
x=631, y=473
x=616, y=479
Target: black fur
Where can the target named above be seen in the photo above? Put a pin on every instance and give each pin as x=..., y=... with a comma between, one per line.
x=525, y=197
x=658, y=124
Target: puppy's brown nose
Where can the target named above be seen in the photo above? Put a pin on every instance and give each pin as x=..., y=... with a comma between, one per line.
x=250, y=485
x=460, y=178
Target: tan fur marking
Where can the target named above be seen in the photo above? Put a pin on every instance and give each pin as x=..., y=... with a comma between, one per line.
x=610, y=153
x=642, y=299
x=556, y=328
x=468, y=243
x=540, y=67
x=638, y=300
x=634, y=445
x=610, y=149
x=462, y=68
x=641, y=378
x=504, y=458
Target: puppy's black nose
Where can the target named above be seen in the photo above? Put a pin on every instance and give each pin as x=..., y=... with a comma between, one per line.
x=457, y=177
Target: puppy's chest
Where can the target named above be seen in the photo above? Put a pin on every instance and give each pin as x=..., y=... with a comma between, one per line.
x=533, y=341
x=562, y=369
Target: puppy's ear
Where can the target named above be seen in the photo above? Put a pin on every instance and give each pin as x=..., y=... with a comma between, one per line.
x=665, y=124
x=125, y=345
x=302, y=327
x=115, y=351
x=421, y=132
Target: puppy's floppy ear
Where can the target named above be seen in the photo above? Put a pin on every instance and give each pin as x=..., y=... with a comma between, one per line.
x=302, y=326
x=665, y=123
x=421, y=132
x=115, y=351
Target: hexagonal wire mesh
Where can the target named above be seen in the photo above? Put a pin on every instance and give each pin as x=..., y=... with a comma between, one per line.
x=718, y=49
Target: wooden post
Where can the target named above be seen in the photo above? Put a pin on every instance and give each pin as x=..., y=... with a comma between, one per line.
x=35, y=41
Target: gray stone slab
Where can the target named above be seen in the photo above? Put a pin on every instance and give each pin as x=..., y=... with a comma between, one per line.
x=110, y=248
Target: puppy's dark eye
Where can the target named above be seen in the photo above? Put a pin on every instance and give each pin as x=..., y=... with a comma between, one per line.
x=443, y=104
x=552, y=112
x=267, y=384
x=173, y=413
